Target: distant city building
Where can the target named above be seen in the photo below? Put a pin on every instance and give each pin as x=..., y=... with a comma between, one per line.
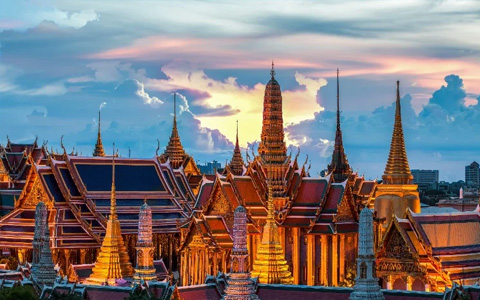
x=472, y=175
x=425, y=179
x=210, y=167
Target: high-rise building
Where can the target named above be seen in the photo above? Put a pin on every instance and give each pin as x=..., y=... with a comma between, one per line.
x=472, y=175
x=210, y=167
x=425, y=179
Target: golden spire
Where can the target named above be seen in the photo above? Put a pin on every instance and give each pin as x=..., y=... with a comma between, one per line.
x=397, y=170
x=99, y=146
x=236, y=164
x=174, y=151
x=113, y=262
x=339, y=165
x=270, y=265
x=113, y=199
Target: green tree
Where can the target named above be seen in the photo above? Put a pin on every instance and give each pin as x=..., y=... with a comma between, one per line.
x=18, y=293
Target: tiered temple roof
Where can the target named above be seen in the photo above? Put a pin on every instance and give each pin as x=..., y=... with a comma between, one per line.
x=236, y=165
x=432, y=246
x=17, y=161
x=177, y=157
x=78, y=188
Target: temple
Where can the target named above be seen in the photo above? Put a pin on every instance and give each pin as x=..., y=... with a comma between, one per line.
x=265, y=228
x=76, y=190
x=17, y=161
x=316, y=218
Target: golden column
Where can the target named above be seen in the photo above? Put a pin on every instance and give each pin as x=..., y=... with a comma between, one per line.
x=310, y=259
x=113, y=262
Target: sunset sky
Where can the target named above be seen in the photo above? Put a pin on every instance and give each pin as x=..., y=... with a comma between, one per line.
x=60, y=60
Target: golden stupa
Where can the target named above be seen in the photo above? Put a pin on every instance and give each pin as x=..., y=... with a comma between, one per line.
x=270, y=265
x=113, y=262
x=397, y=193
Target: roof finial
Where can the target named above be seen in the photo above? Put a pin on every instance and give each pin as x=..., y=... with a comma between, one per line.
x=338, y=101
x=63, y=147
x=398, y=110
x=175, y=107
x=99, y=121
x=237, y=132
x=158, y=147
x=272, y=71
x=113, y=200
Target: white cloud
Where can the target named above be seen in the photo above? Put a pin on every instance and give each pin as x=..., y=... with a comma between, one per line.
x=23, y=14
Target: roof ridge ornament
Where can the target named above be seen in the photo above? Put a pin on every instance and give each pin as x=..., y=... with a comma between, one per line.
x=272, y=71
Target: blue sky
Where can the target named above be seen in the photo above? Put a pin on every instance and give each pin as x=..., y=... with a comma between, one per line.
x=60, y=60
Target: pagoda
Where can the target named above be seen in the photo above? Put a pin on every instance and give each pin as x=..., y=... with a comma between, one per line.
x=366, y=281
x=144, y=269
x=272, y=149
x=99, y=146
x=41, y=216
x=43, y=271
x=236, y=165
x=239, y=284
x=270, y=265
x=397, y=193
x=113, y=262
x=339, y=167
x=178, y=158
x=174, y=151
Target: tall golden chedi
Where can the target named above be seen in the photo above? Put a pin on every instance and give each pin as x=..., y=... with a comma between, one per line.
x=397, y=193
x=272, y=149
x=239, y=284
x=99, y=146
x=270, y=265
x=113, y=262
x=144, y=269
